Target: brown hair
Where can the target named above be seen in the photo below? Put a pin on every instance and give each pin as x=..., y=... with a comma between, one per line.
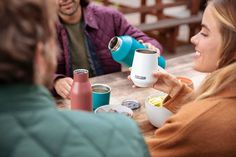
x=24, y=23
x=225, y=75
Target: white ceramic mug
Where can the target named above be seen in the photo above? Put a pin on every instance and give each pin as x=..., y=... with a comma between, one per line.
x=144, y=64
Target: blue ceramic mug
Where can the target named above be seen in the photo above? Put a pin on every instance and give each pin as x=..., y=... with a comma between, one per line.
x=122, y=49
x=100, y=95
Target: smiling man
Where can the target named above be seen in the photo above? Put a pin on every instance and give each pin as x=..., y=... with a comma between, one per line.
x=84, y=31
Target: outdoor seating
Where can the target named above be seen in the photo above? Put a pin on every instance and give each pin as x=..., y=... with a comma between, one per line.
x=165, y=29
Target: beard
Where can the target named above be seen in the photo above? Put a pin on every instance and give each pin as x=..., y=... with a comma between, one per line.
x=71, y=11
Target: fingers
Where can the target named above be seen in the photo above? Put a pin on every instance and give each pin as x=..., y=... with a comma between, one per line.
x=69, y=81
x=160, y=72
x=129, y=78
x=133, y=86
x=63, y=86
x=67, y=88
x=161, y=75
x=63, y=93
x=141, y=41
x=167, y=83
x=152, y=47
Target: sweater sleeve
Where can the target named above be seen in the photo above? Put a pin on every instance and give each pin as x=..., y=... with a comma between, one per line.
x=175, y=103
x=170, y=139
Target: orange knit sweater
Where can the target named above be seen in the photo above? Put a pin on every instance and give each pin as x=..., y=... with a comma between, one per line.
x=204, y=128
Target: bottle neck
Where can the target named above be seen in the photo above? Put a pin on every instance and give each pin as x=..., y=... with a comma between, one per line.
x=80, y=75
x=115, y=43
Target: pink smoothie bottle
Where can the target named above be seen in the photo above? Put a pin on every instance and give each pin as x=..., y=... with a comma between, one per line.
x=81, y=91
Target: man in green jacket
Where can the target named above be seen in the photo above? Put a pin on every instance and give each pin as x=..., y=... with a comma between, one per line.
x=30, y=123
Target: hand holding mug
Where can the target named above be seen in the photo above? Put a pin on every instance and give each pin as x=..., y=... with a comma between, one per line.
x=167, y=83
x=150, y=47
x=161, y=59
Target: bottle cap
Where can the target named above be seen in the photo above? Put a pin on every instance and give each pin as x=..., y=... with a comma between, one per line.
x=132, y=104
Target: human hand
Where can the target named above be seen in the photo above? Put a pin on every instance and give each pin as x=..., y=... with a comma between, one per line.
x=150, y=47
x=166, y=83
x=129, y=78
x=63, y=87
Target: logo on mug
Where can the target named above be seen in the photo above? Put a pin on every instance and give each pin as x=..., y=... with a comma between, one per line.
x=140, y=77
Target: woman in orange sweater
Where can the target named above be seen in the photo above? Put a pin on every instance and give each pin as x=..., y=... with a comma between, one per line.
x=204, y=123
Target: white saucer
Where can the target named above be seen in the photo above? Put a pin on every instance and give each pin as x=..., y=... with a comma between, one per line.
x=115, y=109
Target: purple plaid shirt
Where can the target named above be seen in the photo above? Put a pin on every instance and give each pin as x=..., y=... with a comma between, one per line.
x=101, y=24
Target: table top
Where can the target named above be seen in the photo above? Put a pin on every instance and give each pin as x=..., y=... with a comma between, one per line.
x=121, y=88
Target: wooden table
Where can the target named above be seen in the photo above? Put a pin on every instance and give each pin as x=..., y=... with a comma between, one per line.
x=121, y=88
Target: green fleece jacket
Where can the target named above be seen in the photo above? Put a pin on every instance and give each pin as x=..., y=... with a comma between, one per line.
x=31, y=126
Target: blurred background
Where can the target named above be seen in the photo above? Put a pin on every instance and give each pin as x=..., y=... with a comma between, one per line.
x=171, y=22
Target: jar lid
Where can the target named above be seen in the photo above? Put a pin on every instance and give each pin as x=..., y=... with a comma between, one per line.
x=132, y=104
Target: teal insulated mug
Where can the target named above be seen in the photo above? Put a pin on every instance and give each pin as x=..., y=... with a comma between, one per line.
x=100, y=95
x=122, y=49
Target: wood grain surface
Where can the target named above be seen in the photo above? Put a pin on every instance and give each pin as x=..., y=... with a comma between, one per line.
x=121, y=88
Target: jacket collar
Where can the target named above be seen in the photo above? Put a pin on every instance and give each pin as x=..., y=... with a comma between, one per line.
x=89, y=17
x=24, y=97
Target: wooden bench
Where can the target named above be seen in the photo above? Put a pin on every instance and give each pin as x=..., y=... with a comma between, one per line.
x=166, y=26
x=169, y=23
x=166, y=30
x=155, y=9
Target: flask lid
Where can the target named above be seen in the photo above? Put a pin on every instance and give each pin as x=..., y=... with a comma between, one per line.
x=81, y=75
x=80, y=71
x=132, y=104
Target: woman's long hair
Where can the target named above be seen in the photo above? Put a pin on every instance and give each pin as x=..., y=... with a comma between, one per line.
x=225, y=75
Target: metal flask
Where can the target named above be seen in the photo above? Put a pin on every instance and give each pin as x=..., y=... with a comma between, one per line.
x=81, y=91
x=123, y=48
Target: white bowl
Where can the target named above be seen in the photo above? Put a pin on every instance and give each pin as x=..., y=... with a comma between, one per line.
x=115, y=108
x=157, y=115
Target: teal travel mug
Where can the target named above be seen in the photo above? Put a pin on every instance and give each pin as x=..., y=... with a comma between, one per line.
x=100, y=95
